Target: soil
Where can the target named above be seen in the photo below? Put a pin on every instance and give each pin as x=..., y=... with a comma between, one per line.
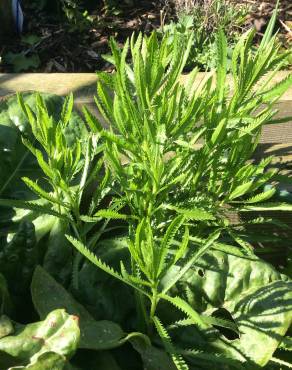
x=51, y=45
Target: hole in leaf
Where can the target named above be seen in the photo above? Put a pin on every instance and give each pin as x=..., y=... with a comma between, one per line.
x=222, y=313
x=201, y=273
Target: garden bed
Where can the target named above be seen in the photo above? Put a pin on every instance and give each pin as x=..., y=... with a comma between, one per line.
x=131, y=233
x=57, y=42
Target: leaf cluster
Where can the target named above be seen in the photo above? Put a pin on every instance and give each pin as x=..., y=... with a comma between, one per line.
x=174, y=160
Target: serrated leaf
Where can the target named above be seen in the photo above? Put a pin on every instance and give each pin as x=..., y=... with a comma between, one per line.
x=193, y=214
x=167, y=240
x=275, y=206
x=32, y=206
x=67, y=109
x=42, y=193
x=105, y=213
x=187, y=309
x=240, y=190
x=177, y=359
x=100, y=264
x=261, y=197
x=92, y=121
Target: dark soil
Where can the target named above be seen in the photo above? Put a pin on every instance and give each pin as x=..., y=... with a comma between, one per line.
x=60, y=46
x=65, y=47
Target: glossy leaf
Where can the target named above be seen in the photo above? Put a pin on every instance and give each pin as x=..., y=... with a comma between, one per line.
x=58, y=334
x=257, y=297
x=47, y=295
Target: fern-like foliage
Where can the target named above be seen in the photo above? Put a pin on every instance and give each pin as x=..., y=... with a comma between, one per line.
x=100, y=264
x=177, y=359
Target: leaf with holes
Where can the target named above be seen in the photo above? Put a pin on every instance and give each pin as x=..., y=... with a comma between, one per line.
x=252, y=291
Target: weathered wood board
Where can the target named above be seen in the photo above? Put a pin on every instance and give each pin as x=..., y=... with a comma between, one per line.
x=83, y=86
x=276, y=139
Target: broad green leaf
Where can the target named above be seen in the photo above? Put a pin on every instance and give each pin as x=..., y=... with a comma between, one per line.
x=47, y=295
x=58, y=257
x=97, y=360
x=5, y=299
x=152, y=357
x=46, y=361
x=253, y=292
x=19, y=256
x=6, y=326
x=58, y=333
x=168, y=281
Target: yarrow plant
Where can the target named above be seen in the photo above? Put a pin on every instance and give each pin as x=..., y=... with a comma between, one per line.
x=174, y=161
x=179, y=155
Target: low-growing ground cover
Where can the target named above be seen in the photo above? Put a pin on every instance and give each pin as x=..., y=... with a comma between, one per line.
x=116, y=246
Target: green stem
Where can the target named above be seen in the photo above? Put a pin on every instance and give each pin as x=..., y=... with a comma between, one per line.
x=140, y=305
x=77, y=227
x=154, y=302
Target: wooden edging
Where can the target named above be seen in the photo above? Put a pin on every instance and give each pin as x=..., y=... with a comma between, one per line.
x=83, y=85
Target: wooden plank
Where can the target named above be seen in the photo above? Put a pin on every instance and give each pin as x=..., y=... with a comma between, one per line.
x=81, y=83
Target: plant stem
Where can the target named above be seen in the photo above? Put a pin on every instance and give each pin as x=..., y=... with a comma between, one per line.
x=154, y=302
x=143, y=320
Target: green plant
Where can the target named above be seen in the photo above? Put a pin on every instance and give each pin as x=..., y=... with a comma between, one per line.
x=164, y=176
x=18, y=259
x=70, y=166
x=173, y=187
x=205, y=19
x=43, y=345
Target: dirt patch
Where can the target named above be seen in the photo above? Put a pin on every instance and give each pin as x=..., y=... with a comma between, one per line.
x=50, y=45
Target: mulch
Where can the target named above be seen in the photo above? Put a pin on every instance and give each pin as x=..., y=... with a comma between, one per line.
x=63, y=48
x=261, y=13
